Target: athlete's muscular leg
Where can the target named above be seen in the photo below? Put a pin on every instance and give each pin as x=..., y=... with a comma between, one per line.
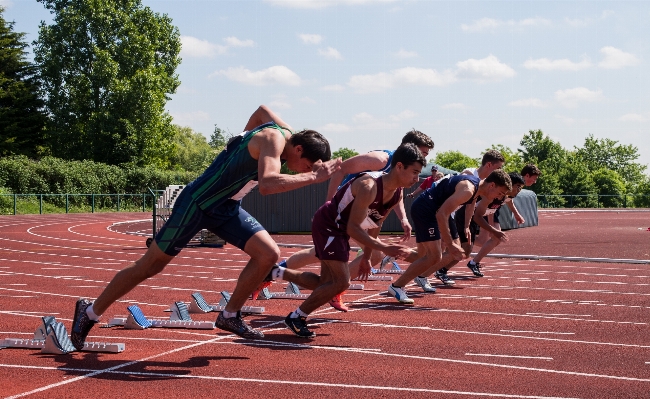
x=334, y=280
x=152, y=263
x=302, y=258
x=431, y=254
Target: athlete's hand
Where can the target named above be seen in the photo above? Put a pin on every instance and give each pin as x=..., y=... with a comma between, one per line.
x=520, y=219
x=456, y=251
x=397, y=251
x=499, y=235
x=406, y=226
x=323, y=170
x=468, y=234
x=364, y=269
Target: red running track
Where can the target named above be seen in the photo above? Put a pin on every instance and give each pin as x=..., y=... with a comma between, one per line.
x=528, y=329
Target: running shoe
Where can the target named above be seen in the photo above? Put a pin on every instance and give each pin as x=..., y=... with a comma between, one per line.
x=263, y=284
x=238, y=326
x=399, y=294
x=442, y=276
x=423, y=283
x=390, y=262
x=81, y=324
x=475, y=269
x=337, y=303
x=298, y=325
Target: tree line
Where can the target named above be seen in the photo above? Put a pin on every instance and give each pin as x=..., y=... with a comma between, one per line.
x=95, y=94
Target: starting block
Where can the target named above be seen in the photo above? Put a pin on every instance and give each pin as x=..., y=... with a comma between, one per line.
x=180, y=318
x=51, y=337
x=291, y=292
x=374, y=277
x=200, y=305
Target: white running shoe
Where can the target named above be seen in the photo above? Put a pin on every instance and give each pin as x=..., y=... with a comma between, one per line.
x=423, y=283
x=399, y=294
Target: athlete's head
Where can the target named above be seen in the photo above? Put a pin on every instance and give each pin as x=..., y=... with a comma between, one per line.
x=518, y=183
x=438, y=176
x=407, y=163
x=421, y=140
x=311, y=147
x=530, y=173
x=496, y=185
x=492, y=160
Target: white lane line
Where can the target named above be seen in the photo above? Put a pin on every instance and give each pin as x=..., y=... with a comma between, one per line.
x=261, y=381
x=538, y=332
x=509, y=356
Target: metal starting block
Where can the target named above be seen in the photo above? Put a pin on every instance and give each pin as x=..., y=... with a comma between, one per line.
x=180, y=318
x=389, y=271
x=51, y=337
x=374, y=277
x=355, y=287
x=291, y=292
x=198, y=304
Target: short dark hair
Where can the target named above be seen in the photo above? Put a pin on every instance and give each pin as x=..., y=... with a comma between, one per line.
x=530, y=170
x=314, y=146
x=418, y=138
x=516, y=178
x=492, y=156
x=500, y=178
x=408, y=154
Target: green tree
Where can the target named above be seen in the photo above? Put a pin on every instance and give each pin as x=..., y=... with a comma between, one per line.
x=606, y=153
x=219, y=138
x=455, y=160
x=344, y=153
x=21, y=118
x=192, y=151
x=550, y=157
x=575, y=179
x=642, y=198
x=610, y=186
x=108, y=68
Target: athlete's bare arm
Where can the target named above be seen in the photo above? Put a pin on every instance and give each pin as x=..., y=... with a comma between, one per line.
x=373, y=160
x=481, y=208
x=464, y=191
x=264, y=115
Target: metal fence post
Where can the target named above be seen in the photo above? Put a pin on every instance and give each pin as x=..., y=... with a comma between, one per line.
x=15, y=199
x=92, y=204
x=144, y=201
x=67, y=203
x=40, y=204
x=118, y=202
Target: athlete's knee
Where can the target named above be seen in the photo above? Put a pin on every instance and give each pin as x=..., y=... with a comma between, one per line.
x=269, y=256
x=149, y=267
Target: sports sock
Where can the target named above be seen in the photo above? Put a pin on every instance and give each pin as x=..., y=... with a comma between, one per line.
x=91, y=313
x=229, y=315
x=443, y=270
x=298, y=313
x=278, y=272
x=471, y=262
x=394, y=286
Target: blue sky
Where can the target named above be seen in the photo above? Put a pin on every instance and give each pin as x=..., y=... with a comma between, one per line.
x=364, y=72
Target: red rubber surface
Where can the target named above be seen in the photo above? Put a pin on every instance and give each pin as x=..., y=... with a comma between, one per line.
x=527, y=329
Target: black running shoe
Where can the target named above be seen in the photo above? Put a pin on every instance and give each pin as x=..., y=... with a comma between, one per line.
x=299, y=326
x=238, y=326
x=444, y=278
x=81, y=324
x=475, y=269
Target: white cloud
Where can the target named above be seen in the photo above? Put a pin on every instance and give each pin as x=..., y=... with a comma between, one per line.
x=404, y=115
x=571, y=98
x=187, y=118
x=616, y=59
x=318, y=4
x=334, y=128
x=406, y=54
x=279, y=104
x=333, y=88
x=565, y=119
x=400, y=77
x=234, y=42
x=490, y=24
x=307, y=100
x=5, y=3
x=310, y=39
x=544, y=64
x=278, y=74
x=632, y=117
x=330, y=53
x=484, y=70
x=528, y=102
x=586, y=21
x=193, y=47
x=454, y=106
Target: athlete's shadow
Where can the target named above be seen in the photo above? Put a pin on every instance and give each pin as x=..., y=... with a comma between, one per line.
x=100, y=366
